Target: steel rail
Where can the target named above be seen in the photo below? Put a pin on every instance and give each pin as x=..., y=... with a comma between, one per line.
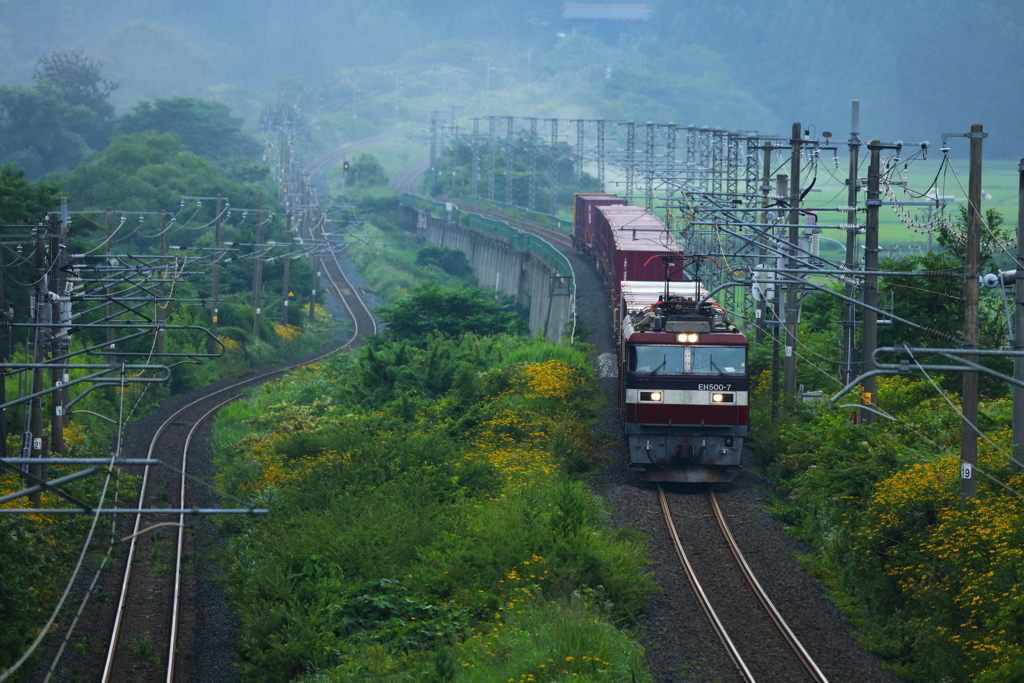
x=122, y=600
x=762, y=596
x=404, y=180
x=702, y=597
x=172, y=645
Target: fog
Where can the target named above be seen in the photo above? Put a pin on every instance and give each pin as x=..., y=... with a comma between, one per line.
x=919, y=68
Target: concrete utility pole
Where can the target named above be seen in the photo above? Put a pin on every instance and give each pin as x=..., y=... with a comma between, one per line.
x=849, y=310
x=216, y=269
x=968, y=434
x=58, y=338
x=110, y=289
x=781, y=181
x=38, y=300
x=1018, y=324
x=869, y=333
x=287, y=264
x=161, y=306
x=316, y=271
x=4, y=322
x=762, y=303
x=257, y=279
x=794, y=240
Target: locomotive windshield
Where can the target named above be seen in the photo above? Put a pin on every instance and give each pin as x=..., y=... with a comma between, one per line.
x=656, y=359
x=724, y=360
x=720, y=360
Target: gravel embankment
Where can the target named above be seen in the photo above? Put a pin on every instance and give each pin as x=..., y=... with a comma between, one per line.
x=680, y=644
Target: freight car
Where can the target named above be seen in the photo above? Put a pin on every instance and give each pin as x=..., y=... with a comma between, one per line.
x=623, y=241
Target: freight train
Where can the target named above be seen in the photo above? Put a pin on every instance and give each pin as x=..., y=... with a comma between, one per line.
x=683, y=378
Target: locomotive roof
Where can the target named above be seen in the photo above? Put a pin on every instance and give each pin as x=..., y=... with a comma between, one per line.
x=636, y=229
x=640, y=295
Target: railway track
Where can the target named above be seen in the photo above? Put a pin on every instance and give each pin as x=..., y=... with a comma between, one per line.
x=756, y=638
x=407, y=180
x=145, y=637
x=561, y=238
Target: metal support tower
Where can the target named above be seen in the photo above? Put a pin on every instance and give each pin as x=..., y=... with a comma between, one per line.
x=491, y=144
x=510, y=152
x=630, y=155
x=553, y=194
x=533, y=163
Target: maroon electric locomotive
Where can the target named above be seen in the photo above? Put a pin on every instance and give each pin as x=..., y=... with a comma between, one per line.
x=683, y=379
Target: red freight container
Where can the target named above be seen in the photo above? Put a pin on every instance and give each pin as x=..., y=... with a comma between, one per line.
x=584, y=215
x=627, y=242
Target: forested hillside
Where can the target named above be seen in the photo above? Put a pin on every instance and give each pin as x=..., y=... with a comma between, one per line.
x=920, y=68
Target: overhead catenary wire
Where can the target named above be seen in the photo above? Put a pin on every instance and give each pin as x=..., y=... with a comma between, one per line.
x=81, y=557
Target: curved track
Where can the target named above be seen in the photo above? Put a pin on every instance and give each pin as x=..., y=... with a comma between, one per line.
x=144, y=639
x=407, y=180
x=779, y=656
x=562, y=238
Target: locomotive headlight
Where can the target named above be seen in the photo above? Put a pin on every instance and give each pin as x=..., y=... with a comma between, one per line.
x=717, y=398
x=650, y=395
x=655, y=395
x=687, y=338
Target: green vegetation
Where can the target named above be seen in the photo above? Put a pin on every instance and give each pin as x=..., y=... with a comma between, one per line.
x=933, y=585
x=450, y=312
x=58, y=121
x=205, y=128
x=555, y=173
x=39, y=551
x=426, y=521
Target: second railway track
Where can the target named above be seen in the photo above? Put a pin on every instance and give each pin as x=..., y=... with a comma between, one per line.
x=758, y=641
x=143, y=644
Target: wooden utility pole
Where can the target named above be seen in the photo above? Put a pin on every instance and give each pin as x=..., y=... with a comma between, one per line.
x=762, y=302
x=216, y=269
x=849, y=309
x=968, y=433
x=257, y=280
x=869, y=334
x=1018, y=325
x=794, y=239
x=781, y=182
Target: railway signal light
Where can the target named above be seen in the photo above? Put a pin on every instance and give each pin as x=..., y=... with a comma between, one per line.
x=345, y=165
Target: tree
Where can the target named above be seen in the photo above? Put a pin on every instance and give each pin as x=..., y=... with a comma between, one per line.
x=77, y=79
x=934, y=299
x=204, y=127
x=77, y=82
x=38, y=131
x=451, y=312
x=22, y=201
x=56, y=123
x=366, y=172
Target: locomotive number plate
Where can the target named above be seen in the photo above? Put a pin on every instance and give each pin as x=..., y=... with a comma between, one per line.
x=714, y=387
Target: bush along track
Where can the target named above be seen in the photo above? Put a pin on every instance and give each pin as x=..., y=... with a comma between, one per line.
x=933, y=585
x=428, y=521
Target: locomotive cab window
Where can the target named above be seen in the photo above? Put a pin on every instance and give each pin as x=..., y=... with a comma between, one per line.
x=656, y=359
x=723, y=360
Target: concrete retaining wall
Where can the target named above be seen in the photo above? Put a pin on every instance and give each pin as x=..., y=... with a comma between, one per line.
x=500, y=264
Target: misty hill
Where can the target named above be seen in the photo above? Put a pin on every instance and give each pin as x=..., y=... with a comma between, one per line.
x=919, y=68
